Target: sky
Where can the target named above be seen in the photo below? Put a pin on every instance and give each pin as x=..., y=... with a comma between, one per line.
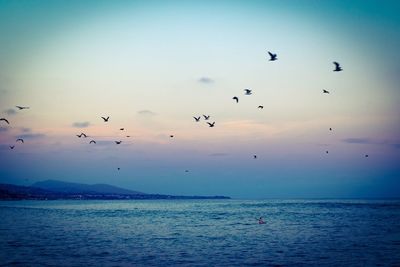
x=153, y=65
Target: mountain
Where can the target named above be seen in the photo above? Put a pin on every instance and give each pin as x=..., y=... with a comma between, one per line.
x=52, y=189
x=76, y=188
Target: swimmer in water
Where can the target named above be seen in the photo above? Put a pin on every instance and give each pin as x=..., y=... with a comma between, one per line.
x=261, y=221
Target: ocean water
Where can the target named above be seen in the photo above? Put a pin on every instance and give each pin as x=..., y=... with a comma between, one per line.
x=200, y=233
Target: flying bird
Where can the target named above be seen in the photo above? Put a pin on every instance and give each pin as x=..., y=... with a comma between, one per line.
x=106, y=119
x=118, y=168
x=330, y=129
x=272, y=56
x=21, y=108
x=186, y=170
x=327, y=152
x=20, y=139
x=211, y=124
x=82, y=134
x=337, y=66
x=247, y=91
x=12, y=147
x=92, y=142
x=3, y=119
x=197, y=118
x=236, y=98
x=366, y=155
x=171, y=136
x=254, y=156
x=118, y=142
x=325, y=91
x=128, y=136
x=121, y=129
x=206, y=117
x=260, y=107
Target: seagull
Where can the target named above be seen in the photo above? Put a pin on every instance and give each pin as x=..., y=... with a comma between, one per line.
x=171, y=136
x=247, y=91
x=211, y=124
x=3, y=119
x=82, y=134
x=236, y=98
x=327, y=152
x=92, y=141
x=366, y=155
x=121, y=129
x=260, y=107
x=330, y=129
x=118, y=168
x=273, y=56
x=197, y=118
x=106, y=119
x=325, y=91
x=118, y=142
x=20, y=139
x=337, y=66
x=206, y=117
x=20, y=107
x=254, y=156
x=12, y=147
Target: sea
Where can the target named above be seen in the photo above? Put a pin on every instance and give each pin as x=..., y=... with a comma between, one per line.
x=297, y=232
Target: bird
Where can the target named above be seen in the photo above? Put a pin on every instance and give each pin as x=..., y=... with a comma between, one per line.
x=128, y=136
x=236, y=98
x=197, y=118
x=206, y=117
x=254, y=156
x=92, y=141
x=247, y=91
x=260, y=107
x=186, y=170
x=325, y=91
x=337, y=66
x=121, y=129
x=118, y=168
x=118, y=142
x=20, y=139
x=273, y=56
x=330, y=129
x=12, y=147
x=106, y=119
x=82, y=134
x=211, y=124
x=3, y=119
x=20, y=107
x=327, y=152
x=171, y=136
x=366, y=155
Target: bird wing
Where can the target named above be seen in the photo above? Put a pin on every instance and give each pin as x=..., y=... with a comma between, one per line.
x=3, y=119
x=336, y=64
x=272, y=55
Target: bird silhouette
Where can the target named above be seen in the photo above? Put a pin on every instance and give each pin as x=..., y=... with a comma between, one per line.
x=236, y=98
x=21, y=108
x=254, y=156
x=20, y=140
x=366, y=155
x=325, y=91
x=197, y=118
x=128, y=136
x=118, y=168
x=106, y=119
x=260, y=107
x=206, y=117
x=272, y=56
x=337, y=66
x=247, y=91
x=327, y=152
x=211, y=124
x=118, y=142
x=3, y=119
x=171, y=136
x=82, y=134
x=12, y=147
x=186, y=170
x=121, y=129
x=92, y=142
x=330, y=129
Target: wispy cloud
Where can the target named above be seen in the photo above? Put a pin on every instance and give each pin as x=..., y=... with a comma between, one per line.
x=358, y=141
x=31, y=136
x=205, y=80
x=146, y=112
x=10, y=111
x=219, y=154
x=81, y=124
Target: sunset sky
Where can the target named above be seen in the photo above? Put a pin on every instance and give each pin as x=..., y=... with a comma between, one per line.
x=153, y=65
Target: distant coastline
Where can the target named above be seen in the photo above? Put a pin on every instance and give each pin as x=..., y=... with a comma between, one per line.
x=58, y=190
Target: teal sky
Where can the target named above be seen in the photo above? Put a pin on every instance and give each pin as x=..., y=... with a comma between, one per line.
x=153, y=65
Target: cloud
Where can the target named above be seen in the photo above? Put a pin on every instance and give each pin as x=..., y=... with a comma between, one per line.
x=81, y=124
x=358, y=141
x=26, y=130
x=31, y=136
x=146, y=112
x=10, y=111
x=205, y=80
x=219, y=154
x=3, y=129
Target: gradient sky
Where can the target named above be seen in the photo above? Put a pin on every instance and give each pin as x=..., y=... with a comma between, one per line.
x=152, y=65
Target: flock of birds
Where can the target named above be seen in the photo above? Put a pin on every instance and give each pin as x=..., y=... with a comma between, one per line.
x=247, y=92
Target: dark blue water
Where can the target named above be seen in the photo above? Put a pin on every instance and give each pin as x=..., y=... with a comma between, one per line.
x=200, y=233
